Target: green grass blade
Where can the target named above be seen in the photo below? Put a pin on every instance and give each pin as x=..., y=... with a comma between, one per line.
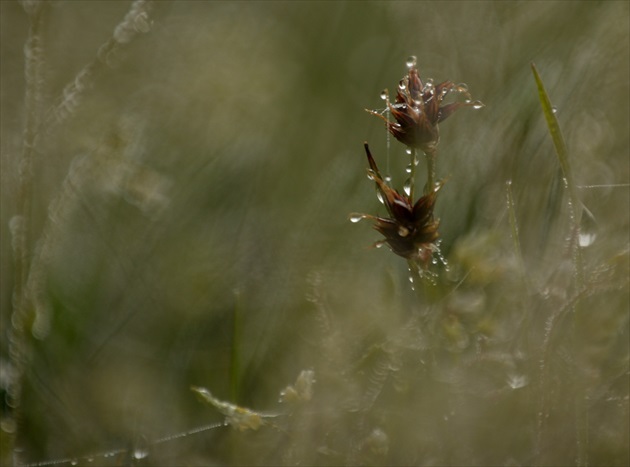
x=575, y=208
x=563, y=158
x=556, y=134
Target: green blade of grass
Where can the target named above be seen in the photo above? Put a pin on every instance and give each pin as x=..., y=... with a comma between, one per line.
x=563, y=158
x=556, y=136
x=575, y=208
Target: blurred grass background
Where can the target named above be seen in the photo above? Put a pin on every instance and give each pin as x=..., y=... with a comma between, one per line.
x=190, y=218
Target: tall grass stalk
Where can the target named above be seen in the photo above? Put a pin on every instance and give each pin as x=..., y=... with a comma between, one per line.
x=21, y=224
x=575, y=210
x=430, y=157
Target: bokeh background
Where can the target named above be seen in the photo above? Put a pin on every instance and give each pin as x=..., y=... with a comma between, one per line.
x=190, y=227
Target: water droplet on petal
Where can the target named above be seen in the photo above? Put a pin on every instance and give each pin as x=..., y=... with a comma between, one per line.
x=411, y=61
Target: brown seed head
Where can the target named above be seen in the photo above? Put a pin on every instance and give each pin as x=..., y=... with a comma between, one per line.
x=410, y=231
x=419, y=107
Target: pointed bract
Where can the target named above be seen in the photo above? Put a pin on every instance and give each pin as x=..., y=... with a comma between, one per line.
x=411, y=231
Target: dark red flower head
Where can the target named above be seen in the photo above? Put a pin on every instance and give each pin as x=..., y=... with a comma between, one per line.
x=410, y=231
x=419, y=108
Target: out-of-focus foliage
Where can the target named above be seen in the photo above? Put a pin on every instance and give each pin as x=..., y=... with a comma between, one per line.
x=189, y=228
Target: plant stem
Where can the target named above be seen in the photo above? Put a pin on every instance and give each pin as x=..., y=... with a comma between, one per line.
x=430, y=156
x=575, y=211
x=515, y=233
x=235, y=365
x=412, y=173
x=21, y=225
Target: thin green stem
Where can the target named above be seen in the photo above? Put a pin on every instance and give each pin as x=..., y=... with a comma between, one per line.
x=430, y=157
x=235, y=367
x=575, y=210
x=412, y=173
x=515, y=233
x=21, y=225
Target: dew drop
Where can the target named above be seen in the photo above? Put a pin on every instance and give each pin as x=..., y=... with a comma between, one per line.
x=379, y=196
x=407, y=186
x=371, y=175
x=411, y=61
x=588, y=228
x=408, y=151
x=586, y=238
x=517, y=381
x=354, y=217
x=408, y=169
x=477, y=105
x=402, y=85
x=74, y=462
x=140, y=453
x=462, y=87
x=554, y=109
x=384, y=94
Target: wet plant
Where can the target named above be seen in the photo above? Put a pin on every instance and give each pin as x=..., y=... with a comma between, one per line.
x=419, y=107
x=182, y=253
